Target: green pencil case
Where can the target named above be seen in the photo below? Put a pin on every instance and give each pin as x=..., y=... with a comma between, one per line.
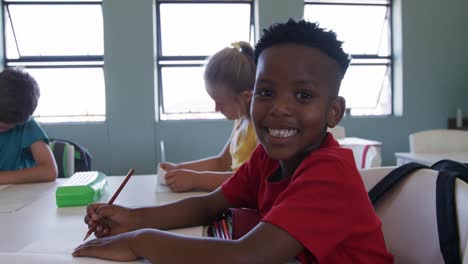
x=82, y=188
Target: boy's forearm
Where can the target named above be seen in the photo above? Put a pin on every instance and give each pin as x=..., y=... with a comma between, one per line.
x=38, y=173
x=164, y=247
x=186, y=212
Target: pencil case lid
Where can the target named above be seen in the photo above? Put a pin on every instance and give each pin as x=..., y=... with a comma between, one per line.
x=82, y=188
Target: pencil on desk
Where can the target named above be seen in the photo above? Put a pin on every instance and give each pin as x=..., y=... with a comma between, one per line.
x=111, y=201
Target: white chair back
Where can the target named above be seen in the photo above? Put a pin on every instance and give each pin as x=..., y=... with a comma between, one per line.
x=439, y=141
x=408, y=215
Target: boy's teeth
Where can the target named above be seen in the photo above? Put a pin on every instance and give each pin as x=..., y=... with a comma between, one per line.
x=282, y=132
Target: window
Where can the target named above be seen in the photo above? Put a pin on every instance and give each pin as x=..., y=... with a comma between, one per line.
x=187, y=33
x=60, y=43
x=364, y=26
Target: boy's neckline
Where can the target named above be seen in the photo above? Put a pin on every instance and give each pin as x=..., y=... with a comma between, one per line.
x=285, y=174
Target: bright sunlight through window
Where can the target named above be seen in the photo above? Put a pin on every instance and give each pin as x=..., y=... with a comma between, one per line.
x=60, y=43
x=189, y=33
x=364, y=26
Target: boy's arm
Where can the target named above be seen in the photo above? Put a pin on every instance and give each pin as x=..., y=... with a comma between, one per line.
x=44, y=170
x=192, y=211
x=266, y=243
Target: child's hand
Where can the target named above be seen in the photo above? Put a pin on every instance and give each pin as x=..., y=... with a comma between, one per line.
x=116, y=248
x=167, y=166
x=182, y=180
x=112, y=219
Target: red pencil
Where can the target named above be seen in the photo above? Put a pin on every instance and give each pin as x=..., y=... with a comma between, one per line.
x=111, y=201
x=225, y=229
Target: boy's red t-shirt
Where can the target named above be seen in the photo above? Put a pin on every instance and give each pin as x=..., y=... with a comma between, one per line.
x=324, y=204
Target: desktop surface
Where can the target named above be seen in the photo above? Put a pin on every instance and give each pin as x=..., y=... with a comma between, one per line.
x=41, y=227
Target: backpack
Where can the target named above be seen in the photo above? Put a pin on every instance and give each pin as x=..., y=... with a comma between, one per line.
x=447, y=225
x=82, y=156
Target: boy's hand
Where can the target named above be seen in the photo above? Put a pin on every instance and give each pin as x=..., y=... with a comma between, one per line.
x=182, y=180
x=112, y=219
x=116, y=248
x=167, y=166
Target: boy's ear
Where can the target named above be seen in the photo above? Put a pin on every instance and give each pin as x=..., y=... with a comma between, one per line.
x=336, y=111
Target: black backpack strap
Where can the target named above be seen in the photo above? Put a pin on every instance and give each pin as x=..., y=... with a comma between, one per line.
x=446, y=217
x=451, y=165
x=393, y=178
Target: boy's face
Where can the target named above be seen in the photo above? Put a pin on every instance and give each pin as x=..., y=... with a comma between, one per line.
x=4, y=127
x=295, y=99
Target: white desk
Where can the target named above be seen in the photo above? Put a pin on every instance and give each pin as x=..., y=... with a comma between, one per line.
x=430, y=158
x=41, y=220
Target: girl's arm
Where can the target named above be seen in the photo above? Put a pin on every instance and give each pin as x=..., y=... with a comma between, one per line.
x=221, y=162
x=45, y=169
x=207, y=174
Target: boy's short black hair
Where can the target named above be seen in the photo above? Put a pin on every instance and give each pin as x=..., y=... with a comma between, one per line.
x=304, y=33
x=19, y=94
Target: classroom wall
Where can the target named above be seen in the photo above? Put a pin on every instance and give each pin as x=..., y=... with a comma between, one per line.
x=431, y=52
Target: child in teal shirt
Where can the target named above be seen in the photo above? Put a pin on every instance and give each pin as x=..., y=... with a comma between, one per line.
x=25, y=156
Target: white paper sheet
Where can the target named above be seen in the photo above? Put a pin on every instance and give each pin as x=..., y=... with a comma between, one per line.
x=14, y=197
x=4, y=186
x=161, y=174
x=28, y=258
x=63, y=236
x=63, y=242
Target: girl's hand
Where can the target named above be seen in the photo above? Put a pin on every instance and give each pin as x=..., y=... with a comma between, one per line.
x=111, y=219
x=182, y=180
x=167, y=166
x=117, y=248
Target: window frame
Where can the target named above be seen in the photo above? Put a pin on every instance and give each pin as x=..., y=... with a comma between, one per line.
x=187, y=61
x=48, y=61
x=365, y=57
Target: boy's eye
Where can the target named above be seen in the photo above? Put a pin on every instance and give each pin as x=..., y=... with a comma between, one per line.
x=264, y=92
x=303, y=95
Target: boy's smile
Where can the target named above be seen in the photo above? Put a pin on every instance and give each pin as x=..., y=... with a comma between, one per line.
x=295, y=98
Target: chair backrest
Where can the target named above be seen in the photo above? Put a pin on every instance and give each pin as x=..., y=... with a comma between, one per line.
x=64, y=154
x=337, y=132
x=408, y=215
x=439, y=141
x=81, y=156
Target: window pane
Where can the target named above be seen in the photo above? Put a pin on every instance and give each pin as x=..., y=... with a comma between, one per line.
x=367, y=89
x=55, y=30
x=202, y=29
x=364, y=29
x=184, y=90
x=69, y=92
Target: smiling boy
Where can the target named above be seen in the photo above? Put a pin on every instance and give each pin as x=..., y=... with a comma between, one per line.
x=313, y=204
